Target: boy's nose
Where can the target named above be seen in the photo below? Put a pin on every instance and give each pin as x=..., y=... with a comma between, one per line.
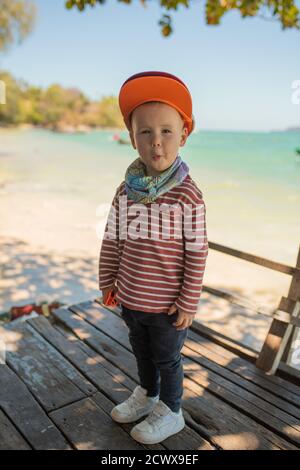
x=156, y=141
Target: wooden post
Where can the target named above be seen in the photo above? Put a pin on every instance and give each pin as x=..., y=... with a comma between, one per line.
x=277, y=341
x=294, y=288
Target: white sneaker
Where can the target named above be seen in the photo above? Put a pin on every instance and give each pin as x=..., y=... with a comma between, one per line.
x=160, y=424
x=135, y=407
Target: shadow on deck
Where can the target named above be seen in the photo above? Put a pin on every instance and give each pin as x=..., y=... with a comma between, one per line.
x=63, y=376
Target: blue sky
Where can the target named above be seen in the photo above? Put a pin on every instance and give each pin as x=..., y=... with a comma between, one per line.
x=240, y=73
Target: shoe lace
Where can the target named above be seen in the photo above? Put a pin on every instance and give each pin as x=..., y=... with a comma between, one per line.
x=155, y=417
x=132, y=400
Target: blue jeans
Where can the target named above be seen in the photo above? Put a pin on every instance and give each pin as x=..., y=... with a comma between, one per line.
x=156, y=345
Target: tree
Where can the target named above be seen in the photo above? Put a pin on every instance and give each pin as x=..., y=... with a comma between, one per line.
x=17, y=18
x=109, y=114
x=56, y=107
x=282, y=11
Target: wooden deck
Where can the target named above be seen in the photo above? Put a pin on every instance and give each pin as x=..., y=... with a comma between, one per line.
x=62, y=378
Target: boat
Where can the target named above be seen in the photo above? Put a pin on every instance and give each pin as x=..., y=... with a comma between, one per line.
x=120, y=140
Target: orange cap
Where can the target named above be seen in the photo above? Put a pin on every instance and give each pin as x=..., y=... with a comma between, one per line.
x=156, y=86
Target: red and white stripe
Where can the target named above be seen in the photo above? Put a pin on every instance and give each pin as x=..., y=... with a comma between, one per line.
x=152, y=274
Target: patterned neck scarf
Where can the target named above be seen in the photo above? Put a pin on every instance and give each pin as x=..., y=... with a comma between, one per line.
x=144, y=189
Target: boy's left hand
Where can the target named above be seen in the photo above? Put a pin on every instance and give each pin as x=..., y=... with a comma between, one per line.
x=184, y=319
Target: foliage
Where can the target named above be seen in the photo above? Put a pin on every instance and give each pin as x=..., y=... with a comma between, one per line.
x=55, y=107
x=17, y=18
x=283, y=11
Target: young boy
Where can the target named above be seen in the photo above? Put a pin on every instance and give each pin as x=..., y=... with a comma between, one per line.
x=155, y=270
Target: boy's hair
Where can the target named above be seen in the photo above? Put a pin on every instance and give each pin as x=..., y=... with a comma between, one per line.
x=130, y=116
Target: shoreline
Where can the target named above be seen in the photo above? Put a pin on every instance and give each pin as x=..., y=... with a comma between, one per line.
x=53, y=201
x=64, y=129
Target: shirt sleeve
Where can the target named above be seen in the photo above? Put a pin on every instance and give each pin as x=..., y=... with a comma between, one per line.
x=109, y=259
x=196, y=251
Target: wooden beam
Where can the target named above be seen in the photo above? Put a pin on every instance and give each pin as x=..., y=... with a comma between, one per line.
x=239, y=300
x=277, y=338
x=294, y=293
x=283, y=268
x=286, y=317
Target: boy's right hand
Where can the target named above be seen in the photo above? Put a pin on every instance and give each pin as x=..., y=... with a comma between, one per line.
x=106, y=291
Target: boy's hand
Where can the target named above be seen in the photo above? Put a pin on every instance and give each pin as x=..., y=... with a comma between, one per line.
x=184, y=319
x=107, y=290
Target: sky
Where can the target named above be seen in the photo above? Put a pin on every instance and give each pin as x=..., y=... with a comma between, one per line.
x=240, y=73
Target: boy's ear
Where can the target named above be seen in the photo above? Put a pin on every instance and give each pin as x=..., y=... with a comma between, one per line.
x=193, y=123
x=184, y=135
x=132, y=138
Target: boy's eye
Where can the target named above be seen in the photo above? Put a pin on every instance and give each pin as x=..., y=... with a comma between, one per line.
x=143, y=132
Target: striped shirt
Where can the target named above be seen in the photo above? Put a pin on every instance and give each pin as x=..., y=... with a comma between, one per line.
x=153, y=259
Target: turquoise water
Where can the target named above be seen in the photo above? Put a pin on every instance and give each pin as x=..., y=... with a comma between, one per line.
x=250, y=181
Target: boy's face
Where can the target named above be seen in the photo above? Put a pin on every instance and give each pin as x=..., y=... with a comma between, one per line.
x=157, y=129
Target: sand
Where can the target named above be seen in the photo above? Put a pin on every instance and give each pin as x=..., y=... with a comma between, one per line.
x=48, y=251
x=50, y=243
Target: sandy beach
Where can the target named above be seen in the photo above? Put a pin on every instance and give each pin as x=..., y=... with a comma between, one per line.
x=50, y=242
x=44, y=252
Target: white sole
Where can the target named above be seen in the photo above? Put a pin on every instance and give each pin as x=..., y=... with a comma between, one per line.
x=130, y=420
x=142, y=440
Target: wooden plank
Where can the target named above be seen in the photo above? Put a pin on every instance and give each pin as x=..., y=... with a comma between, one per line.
x=234, y=422
x=243, y=302
x=258, y=408
x=287, y=372
x=190, y=438
x=274, y=265
x=110, y=323
x=219, y=365
x=264, y=413
x=10, y=438
x=288, y=377
x=286, y=318
x=277, y=338
x=277, y=343
x=89, y=428
x=106, y=404
x=216, y=337
x=100, y=318
x=27, y=415
x=187, y=439
x=225, y=426
x=104, y=345
x=274, y=384
x=95, y=368
x=59, y=362
x=294, y=293
x=114, y=371
x=247, y=304
x=47, y=374
x=192, y=424
x=91, y=364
